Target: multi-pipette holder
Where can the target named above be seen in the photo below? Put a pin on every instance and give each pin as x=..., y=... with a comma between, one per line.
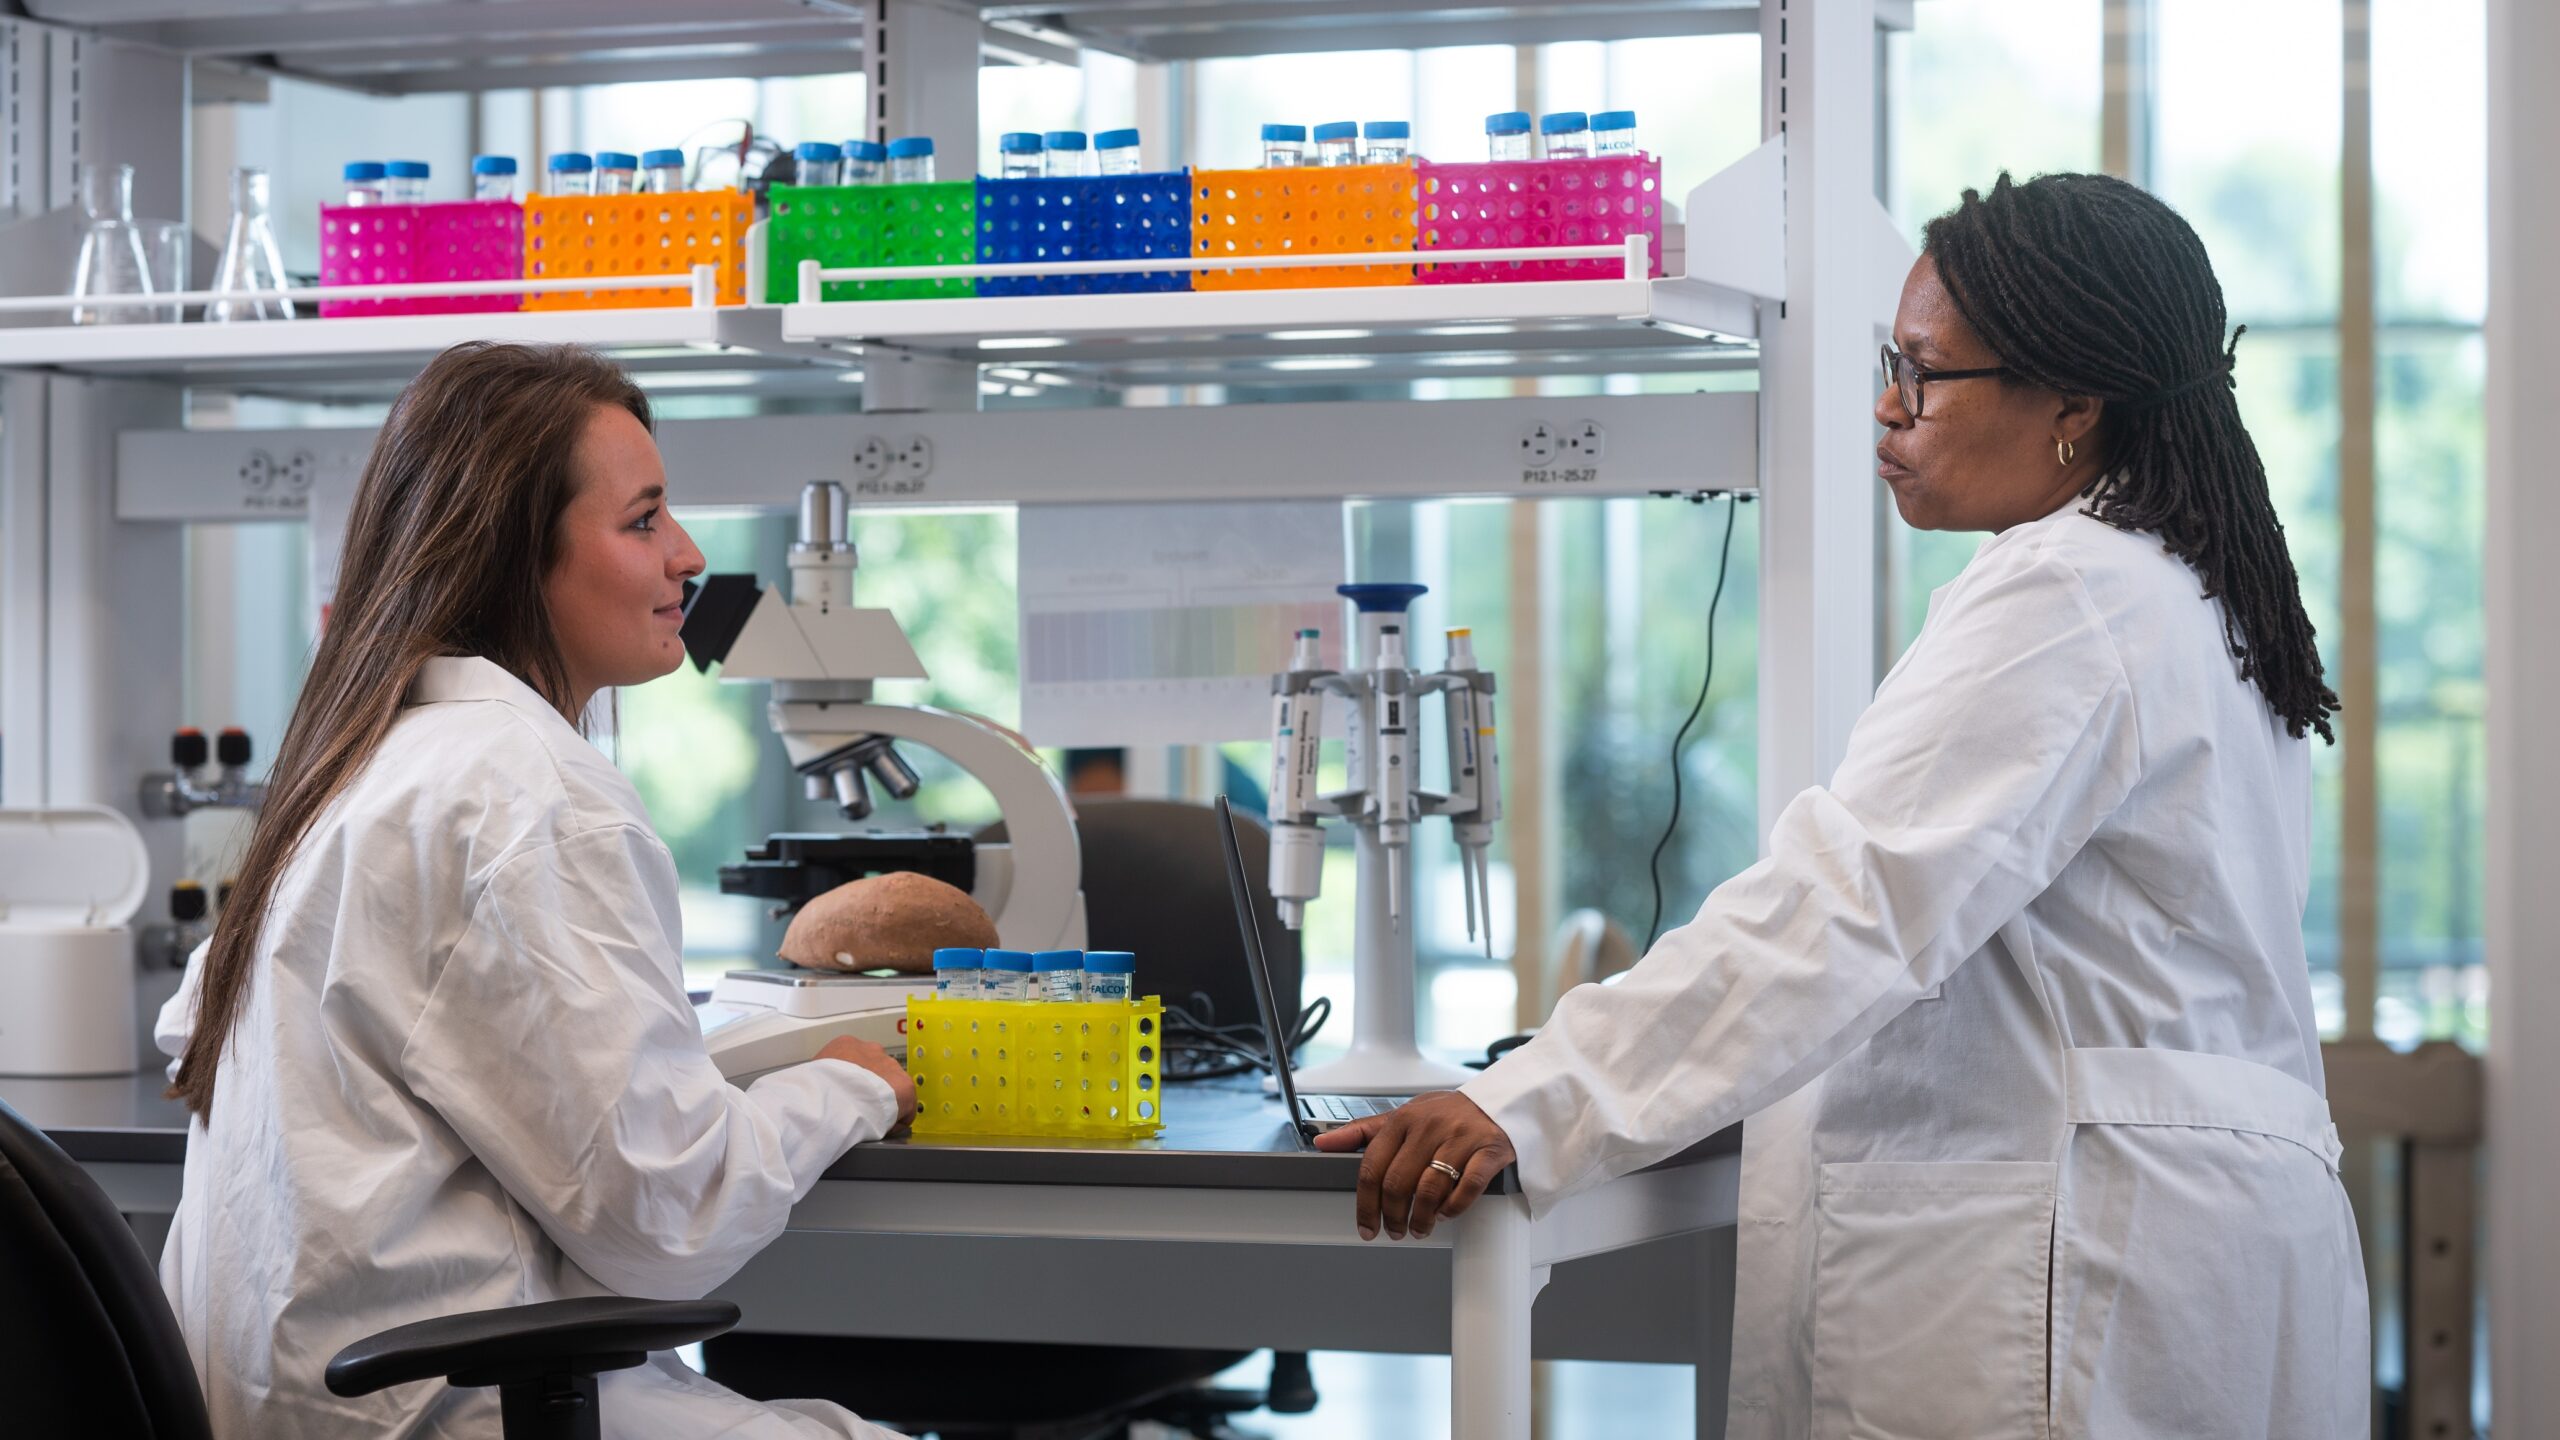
x=569, y=236
x=1512, y=203
x=1302, y=210
x=851, y=226
x=1088, y=1069
x=421, y=244
x=1111, y=217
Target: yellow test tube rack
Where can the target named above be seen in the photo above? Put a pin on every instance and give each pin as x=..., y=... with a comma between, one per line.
x=1089, y=1069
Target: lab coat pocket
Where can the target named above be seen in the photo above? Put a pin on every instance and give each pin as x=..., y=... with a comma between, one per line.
x=1930, y=1292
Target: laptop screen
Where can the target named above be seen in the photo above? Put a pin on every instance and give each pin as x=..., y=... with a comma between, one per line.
x=1275, y=1031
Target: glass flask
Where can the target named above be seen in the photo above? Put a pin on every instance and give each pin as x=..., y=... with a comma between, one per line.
x=112, y=260
x=250, y=259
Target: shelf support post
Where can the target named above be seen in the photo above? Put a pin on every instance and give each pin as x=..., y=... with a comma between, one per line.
x=1818, y=530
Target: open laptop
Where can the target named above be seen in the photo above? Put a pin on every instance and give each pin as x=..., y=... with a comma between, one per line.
x=1314, y=1114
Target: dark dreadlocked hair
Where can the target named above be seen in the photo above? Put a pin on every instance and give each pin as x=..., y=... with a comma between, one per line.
x=2088, y=285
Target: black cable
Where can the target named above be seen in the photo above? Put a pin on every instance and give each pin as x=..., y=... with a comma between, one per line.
x=1653, y=927
x=1196, y=1047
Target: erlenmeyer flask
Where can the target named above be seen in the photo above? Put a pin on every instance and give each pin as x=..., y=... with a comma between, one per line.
x=250, y=259
x=111, y=261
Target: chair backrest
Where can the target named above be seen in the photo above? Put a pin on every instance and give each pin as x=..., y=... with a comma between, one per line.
x=1155, y=883
x=1589, y=947
x=87, y=1343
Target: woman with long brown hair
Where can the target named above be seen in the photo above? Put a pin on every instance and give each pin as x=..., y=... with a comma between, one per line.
x=438, y=1055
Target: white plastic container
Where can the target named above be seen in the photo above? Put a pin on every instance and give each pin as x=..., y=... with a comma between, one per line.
x=956, y=973
x=1116, y=152
x=662, y=172
x=1007, y=976
x=364, y=182
x=617, y=173
x=404, y=182
x=1283, y=146
x=493, y=177
x=1066, y=155
x=1018, y=155
x=1565, y=135
x=1109, y=974
x=1057, y=975
x=911, y=160
x=71, y=879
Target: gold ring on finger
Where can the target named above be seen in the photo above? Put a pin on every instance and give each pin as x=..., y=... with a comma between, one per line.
x=1445, y=1168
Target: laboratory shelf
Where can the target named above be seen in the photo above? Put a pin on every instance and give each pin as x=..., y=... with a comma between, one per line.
x=1207, y=29
x=1267, y=337
x=281, y=355
x=1589, y=326
x=427, y=46
x=431, y=46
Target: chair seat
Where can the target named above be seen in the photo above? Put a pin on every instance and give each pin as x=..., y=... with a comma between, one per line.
x=930, y=1384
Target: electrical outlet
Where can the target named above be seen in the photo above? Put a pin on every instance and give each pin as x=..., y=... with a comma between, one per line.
x=1586, y=439
x=1539, y=444
x=258, y=472
x=300, y=471
x=871, y=459
x=915, y=457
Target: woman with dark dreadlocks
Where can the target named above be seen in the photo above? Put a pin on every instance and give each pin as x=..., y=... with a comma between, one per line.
x=2069, y=1169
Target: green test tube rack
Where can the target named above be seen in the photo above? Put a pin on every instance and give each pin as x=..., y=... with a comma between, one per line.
x=856, y=225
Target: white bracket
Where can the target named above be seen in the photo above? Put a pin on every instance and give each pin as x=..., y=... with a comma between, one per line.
x=1737, y=224
x=1738, y=234
x=1889, y=260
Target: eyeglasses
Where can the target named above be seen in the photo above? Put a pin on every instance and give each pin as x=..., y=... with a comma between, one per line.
x=1904, y=374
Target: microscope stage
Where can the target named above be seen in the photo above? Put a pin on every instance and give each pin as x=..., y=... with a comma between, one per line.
x=758, y=1020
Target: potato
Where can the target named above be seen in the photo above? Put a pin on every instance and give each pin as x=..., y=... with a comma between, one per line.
x=892, y=922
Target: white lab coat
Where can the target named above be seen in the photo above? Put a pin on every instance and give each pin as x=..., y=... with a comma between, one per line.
x=2069, y=1170
x=465, y=1076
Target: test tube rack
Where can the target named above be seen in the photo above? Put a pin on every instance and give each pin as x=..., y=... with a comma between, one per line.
x=844, y=226
x=1089, y=1069
x=421, y=244
x=1302, y=210
x=568, y=236
x=1145, y=216
x=1509, y=203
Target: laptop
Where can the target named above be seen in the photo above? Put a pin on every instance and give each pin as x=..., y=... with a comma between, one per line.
x=1313, y=1114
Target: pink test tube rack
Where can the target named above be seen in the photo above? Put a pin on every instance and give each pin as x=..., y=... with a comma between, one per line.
x=415, y=244
x=1512, y=203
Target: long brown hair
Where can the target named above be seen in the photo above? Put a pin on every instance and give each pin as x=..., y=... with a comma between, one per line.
x=454, y=526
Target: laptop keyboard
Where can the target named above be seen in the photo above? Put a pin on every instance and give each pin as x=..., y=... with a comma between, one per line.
x=1343, y=1109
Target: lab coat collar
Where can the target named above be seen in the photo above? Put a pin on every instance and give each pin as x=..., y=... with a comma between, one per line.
x=469, y=677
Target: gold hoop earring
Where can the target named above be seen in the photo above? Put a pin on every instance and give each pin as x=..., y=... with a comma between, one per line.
x=2063, y=450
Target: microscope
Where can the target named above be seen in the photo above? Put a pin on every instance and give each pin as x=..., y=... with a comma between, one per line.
x=822, y=654
x=1382, y=800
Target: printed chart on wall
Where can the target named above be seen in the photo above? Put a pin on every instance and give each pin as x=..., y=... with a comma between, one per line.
x=1163, y=624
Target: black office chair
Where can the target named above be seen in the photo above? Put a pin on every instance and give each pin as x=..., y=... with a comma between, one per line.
x=1155, y=883
x=88, y=1346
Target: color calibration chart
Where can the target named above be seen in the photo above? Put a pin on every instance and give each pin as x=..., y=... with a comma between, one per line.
x=1163, y=624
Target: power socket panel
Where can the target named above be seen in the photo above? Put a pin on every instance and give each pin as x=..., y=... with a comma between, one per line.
x=1540, y=443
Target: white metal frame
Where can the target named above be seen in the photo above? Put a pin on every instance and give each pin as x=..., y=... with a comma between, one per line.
x=2521, y=594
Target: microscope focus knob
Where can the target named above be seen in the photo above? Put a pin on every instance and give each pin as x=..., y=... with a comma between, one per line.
x=231, y=747
x=187, y=748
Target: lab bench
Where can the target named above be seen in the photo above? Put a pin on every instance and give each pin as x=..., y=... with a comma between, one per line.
x=1216, y=1233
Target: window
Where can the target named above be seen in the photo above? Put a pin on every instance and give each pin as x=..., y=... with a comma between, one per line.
x=1975, y=88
